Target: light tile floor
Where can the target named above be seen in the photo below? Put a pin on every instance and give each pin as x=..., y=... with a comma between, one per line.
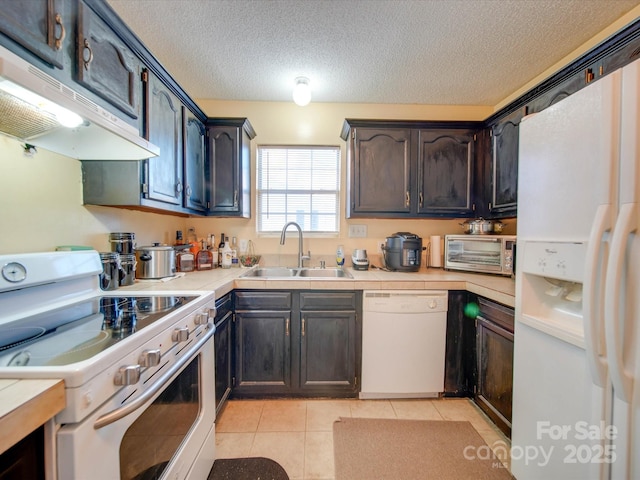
x=298, y=434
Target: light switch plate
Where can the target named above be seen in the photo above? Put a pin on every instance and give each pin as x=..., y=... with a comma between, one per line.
x=357, y=231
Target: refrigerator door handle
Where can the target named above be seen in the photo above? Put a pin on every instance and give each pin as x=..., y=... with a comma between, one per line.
x=594, y=297
x=614, y=326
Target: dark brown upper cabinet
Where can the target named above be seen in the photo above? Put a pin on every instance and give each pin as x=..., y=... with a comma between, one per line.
x=195, y=191
x=502, y=198
x=381, y=171
x=445, y=171
x=105, y=65
x=406, y=169
x=229, y=152
x=40, y=26
x=163, y=127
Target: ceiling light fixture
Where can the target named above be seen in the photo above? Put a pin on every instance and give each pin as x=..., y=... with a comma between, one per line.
x=302, y=91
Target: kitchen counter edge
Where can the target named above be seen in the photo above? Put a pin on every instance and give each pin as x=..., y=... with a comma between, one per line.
x=222, y=281
x=25, y=405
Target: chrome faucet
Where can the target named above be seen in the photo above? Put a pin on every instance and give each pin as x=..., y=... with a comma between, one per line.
x=282, y=239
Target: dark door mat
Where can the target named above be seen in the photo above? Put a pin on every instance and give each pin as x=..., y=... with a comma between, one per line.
x=255, y=468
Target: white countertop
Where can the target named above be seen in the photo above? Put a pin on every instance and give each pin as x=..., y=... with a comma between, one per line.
x=222, y=281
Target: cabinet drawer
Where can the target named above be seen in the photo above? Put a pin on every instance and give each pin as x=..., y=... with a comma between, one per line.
x=327, y=301
x=497, y=313
x=254, y=300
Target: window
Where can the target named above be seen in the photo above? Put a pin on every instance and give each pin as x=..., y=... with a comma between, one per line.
x=298, y=184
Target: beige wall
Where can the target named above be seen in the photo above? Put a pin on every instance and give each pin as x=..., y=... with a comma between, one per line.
x=41, y=207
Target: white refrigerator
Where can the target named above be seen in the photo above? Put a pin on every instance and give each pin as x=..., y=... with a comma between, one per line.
x=576, y=385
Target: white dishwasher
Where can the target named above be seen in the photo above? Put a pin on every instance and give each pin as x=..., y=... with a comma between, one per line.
x=403, y=343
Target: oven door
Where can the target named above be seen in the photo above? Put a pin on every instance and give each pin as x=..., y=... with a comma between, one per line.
x=170, y=435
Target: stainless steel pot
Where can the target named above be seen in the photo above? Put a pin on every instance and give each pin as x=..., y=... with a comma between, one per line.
x=155, y=261
x=480, y=226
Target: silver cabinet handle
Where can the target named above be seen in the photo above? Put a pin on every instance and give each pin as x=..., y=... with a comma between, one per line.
x=121, y=412
x=286, y=328
x=235, y=198
x=407, y=201
x=303, y=326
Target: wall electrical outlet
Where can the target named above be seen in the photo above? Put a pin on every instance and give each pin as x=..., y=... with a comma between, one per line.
x=243, y=244
x=357, y=231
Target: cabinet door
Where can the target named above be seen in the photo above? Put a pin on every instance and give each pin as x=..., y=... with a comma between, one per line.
x=445, y=161
x=37, y=25
x=195, y=191
x=494, y=392
x=381, y=171
x=105, y=65
x=163, y=125
x=224, y=159
x=327, y=351
x=223, y=343
x=504, y=165
x=263, y=352
x=460, y=353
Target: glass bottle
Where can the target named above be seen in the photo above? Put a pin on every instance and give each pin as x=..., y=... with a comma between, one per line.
x=226, y=254
x=235, y=263
x=192, y=239
x=220, y=247
x=204, y=260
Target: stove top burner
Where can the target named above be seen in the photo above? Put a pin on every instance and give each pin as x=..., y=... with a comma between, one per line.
x=79, y=331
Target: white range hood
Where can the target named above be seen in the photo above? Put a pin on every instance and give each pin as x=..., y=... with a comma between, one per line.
x=100, y=136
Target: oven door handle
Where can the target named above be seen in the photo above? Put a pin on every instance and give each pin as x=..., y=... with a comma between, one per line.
x=121, y=412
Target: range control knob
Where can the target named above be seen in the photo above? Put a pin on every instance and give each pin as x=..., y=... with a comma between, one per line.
x=150, y=358
x=201, y=319
x=432, y=304
x=213, y=312
x=180, y=334
x=127, y=375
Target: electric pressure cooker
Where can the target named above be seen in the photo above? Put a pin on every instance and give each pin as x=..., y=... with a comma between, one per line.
x=402, y=251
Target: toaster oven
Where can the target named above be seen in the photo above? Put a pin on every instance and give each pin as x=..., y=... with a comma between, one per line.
x=480, y=253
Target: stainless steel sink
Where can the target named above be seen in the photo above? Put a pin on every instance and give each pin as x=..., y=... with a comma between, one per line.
x=324, y=273
x=271, y=272
x=282, y=272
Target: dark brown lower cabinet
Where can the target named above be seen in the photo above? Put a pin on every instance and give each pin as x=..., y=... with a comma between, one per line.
x=460, y=353
x=223, y=340
x=494, y=345
x=25, y=460
x=297, y=343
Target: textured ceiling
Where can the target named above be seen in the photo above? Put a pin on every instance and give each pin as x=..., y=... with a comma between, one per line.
x=462, y=52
